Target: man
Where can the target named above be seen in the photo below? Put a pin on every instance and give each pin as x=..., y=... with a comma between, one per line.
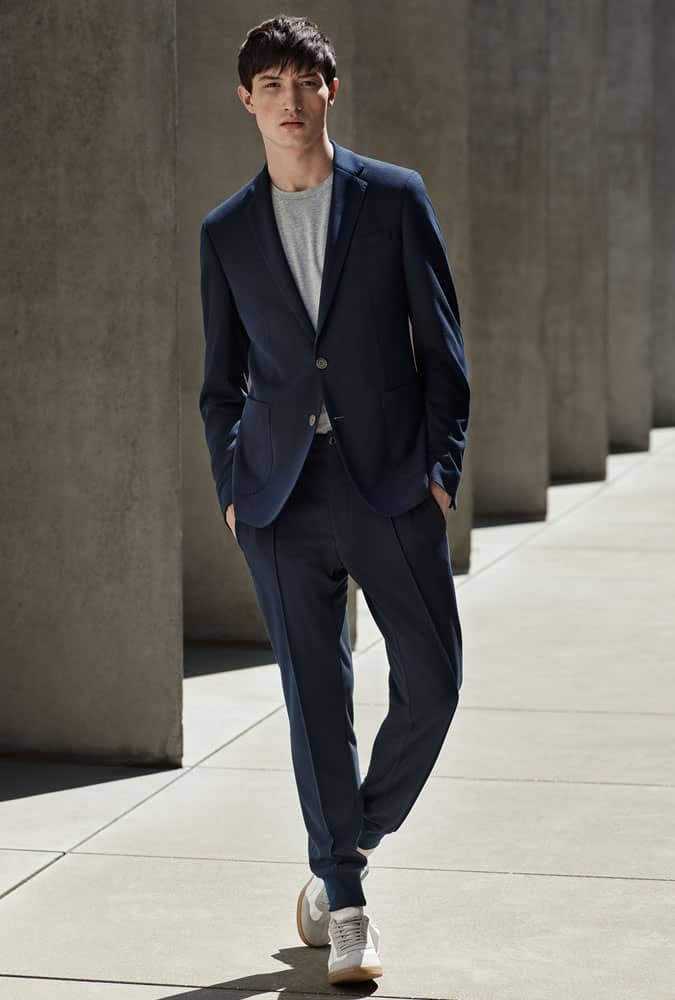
x=336, y=445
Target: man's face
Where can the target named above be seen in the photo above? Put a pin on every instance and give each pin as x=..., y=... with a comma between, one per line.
x=280, y=97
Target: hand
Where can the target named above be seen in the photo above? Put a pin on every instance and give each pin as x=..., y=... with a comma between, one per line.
x=442, y=498
x=231, y=519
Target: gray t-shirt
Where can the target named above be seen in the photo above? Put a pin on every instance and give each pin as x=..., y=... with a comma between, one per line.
x=302, y=221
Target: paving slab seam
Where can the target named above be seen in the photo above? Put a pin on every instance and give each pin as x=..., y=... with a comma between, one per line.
x=356, y=653
x=555, y=711
x=463, y=578
x=187, y=857
x=28, y=850
x=381, y=867
x=535, y=710
x=182, y=772
x=604, y=485
x=237, y=736
x=644, y=550
x=555, y=781
x=469, y=777
x=30, y=876
x=528, y=874
x=237, y=990
x=150, y=982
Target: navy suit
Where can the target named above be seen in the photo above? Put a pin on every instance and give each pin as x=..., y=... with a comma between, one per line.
x=312, y=509
x=396, y=425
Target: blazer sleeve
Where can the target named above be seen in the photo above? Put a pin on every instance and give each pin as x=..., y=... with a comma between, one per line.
x=437, y=336
x=225, y=384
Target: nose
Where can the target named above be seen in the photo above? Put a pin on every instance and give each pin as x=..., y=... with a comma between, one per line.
x=292, y=99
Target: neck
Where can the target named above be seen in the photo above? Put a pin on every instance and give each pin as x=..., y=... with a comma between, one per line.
x=295, y=170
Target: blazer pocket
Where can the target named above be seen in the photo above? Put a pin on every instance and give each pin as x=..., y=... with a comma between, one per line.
x=253, y=453
x=404, y=415
x=433, y=501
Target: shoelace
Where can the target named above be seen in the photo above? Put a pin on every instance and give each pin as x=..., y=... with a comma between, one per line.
x=350, y=933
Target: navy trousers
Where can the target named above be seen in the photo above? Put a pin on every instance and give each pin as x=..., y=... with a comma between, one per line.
x=299, y=566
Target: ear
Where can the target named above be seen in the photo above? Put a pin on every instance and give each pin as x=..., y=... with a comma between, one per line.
x=245, y=98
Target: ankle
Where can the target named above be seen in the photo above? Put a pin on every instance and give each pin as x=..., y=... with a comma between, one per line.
x=345, y=912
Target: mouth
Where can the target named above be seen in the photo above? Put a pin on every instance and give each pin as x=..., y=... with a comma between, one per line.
x=292, y=124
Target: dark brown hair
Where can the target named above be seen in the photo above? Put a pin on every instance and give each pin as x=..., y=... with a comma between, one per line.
x=284, y=40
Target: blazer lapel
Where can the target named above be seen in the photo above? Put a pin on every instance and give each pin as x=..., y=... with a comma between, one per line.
x=348, y=192
x=346, y=202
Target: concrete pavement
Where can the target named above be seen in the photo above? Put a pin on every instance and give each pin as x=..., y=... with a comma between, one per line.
x=538, y=862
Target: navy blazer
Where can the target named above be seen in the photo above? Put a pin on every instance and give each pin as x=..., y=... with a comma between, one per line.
x=399, y=410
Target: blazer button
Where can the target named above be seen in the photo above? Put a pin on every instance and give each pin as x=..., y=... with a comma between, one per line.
x=321, y=363
x=312, y=419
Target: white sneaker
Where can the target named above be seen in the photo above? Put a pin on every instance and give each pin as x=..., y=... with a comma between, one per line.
x=353, y=956
x=312, y=913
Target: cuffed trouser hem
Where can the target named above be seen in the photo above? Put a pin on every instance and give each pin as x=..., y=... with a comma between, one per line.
x=344, y=890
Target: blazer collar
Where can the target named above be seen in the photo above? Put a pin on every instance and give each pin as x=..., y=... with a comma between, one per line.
x=346, y=200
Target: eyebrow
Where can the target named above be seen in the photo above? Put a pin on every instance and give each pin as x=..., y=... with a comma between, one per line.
x=269, y=76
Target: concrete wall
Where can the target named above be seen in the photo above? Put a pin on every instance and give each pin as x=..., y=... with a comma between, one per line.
x=663, y=213
x=90, y=620
x=219, y=149
x=102, y=208
x=509, y=176
x=576, y=297
x=631, y=256
x=410, y=84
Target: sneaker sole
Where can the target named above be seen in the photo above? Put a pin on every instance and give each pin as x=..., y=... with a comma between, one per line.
x=298, y=913
x=359, y=974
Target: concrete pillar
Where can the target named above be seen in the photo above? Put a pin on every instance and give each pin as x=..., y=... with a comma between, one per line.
x=508, y=172
x=410, y=85
x=631, y=258
x=576, y=298
x=663, y=214
x=219, y=149
x=90, y=620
